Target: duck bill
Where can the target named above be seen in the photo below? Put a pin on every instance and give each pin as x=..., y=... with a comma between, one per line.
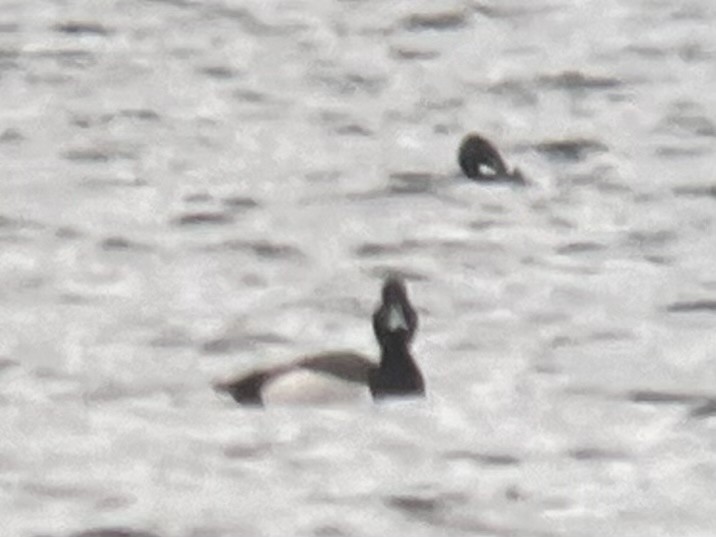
x=395, y=319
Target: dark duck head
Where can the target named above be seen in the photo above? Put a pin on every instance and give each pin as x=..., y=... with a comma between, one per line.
x=394, y=324
x=481, y=161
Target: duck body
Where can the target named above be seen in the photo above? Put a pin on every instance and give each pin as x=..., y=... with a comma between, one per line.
x=480, y=161
x=336, y=377
x=330, y=377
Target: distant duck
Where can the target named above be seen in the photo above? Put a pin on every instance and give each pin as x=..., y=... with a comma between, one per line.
x=481, y=161
x=336, y=377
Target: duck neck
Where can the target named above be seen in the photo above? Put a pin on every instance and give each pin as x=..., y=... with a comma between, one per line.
x=397, y=373
x=395, y=355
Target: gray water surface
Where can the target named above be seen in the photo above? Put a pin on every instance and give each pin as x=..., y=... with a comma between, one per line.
x=190, y=189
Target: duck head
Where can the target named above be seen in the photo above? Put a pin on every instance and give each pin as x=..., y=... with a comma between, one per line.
x=480, y=160
x=395, y=319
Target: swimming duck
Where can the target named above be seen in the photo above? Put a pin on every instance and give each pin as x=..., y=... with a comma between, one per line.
x=480, y=160
x=336, y=376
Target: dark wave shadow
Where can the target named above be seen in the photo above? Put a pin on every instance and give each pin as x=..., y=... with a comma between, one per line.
x=427, y=507
x=581, y=247
x=596, y=454
x=378, y=249
x=696, y=191
x=247, y=451
x=693, y=306
x=93, y=155
x=577, y=80
x=343, y=124
x=7, y=363
x=706, y=409
x=140, y=114
x=662, y=397
x=411, y=182
x=239, y=203
x=495, y=10
x=262, y=249
x=682, y=151
x=117, y=243
x=349, y=83
x=448, y=512
x=573, y=150
x=70, y=58
x=102, y=183
x=82, y=28
x=113, y=532
x=404, y=53
x=203, y=218
x=687, y=118
x=439, y=21
x=11, y=135
x=219, y=72
x=248, y=341
x=519, y=92
x=243, y=17
x=644, y=238
x=10, y=223
x=484, y=459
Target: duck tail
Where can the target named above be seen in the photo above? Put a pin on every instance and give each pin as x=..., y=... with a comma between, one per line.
x=247, y=390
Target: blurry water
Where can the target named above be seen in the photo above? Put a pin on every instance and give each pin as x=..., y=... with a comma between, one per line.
x=191, y=188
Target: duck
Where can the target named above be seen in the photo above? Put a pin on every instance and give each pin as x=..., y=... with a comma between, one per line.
x=335, y=377
x=480, y=160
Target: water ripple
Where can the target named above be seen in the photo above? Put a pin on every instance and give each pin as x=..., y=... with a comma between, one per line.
x=441, y=21
x=570, y=149
x=690, y=306
x=113, y=532
x=82, y=28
